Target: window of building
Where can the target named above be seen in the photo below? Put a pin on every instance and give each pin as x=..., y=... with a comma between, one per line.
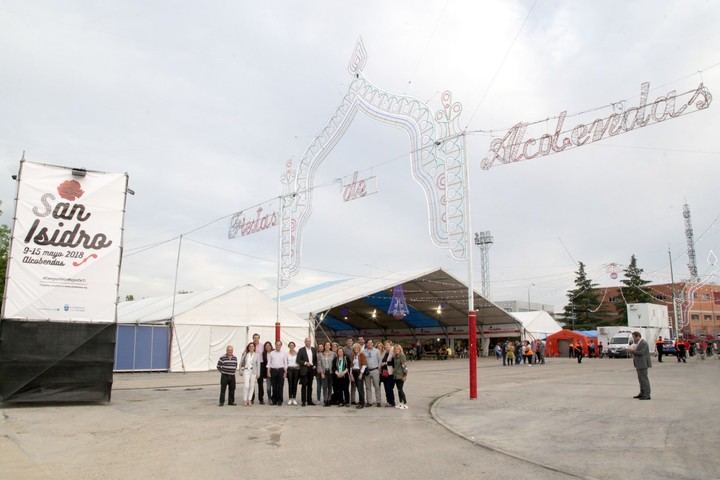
x=694, y=316
x=708, y=318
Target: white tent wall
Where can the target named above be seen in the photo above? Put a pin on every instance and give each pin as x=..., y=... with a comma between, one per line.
x=201, y=346
x=207, y=322
x=189, y=348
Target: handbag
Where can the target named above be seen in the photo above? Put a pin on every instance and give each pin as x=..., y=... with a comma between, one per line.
x=385, y=374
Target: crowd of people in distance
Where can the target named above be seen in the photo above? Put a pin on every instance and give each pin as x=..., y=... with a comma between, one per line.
x=345, y=376
x=517, y=352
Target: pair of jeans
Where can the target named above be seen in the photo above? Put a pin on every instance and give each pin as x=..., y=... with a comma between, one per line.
x=227, y=382
x=277, y=380
x=372, y=380
x=340, y=387
x=358, y=382
x=306, y=387
x=327, y=386
x=293, y=375
x=249, y=382
x=400, y=384
x=389, y=384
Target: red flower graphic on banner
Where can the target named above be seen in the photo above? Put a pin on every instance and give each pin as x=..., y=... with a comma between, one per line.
x=70, y=190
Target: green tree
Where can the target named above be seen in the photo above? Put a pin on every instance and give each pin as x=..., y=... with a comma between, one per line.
x=633, y=291
x=582, y=302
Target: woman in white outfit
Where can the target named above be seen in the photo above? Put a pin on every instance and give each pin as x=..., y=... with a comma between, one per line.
x=249, y=369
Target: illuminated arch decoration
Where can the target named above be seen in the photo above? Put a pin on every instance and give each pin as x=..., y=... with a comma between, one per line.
x=437, y=157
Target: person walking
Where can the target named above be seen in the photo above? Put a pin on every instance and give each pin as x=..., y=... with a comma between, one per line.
x=387, y=367
x=503, y=348
x=359, y=366
x=681, y=350
x=372, y=378
x=659, y=348
x=250, y=370
x=641, y=360
x=579, y=352
x=227, y=364
x=307, y=359
x=540, y=352
x=510, y=354
x=341, y=378
x=400, y=375
x=293, y=374
x=277, y=366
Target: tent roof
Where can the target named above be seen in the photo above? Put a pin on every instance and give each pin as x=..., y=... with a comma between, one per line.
x=240, y=305
x=362, y=303
x=537, y=322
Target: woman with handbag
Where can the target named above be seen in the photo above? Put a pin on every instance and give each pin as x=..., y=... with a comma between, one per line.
x=400, y=375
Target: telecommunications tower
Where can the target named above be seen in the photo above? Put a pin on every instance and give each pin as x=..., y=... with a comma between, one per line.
x=692, y=265
x=484, y=240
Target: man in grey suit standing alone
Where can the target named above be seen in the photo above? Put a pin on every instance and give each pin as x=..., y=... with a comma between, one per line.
x=641, y=360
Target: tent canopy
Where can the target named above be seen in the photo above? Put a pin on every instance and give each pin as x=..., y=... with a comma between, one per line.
x=241, y=305
x=537, y=324
x=434, y=299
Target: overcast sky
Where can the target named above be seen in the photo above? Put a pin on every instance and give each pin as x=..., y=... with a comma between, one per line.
x=202, y=103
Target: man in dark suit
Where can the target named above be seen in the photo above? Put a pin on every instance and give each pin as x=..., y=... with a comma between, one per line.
x=641, y=360
x=307, y=360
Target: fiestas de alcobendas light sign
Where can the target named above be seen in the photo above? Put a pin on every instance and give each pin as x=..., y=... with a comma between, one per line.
x=66, y=245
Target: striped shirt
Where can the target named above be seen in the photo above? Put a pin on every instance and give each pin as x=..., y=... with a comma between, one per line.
x=227, y=365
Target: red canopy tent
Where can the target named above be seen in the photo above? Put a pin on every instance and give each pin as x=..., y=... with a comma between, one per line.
x=571, y=337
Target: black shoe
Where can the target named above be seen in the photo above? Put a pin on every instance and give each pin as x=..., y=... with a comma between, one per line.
x=638, y=396
x=303, y=404
x=353, y=403
x=378, y=405
x=644, y=398
x=360, y=406
x=262, y=403
x=220, y=404
x=311, y=404
x=368, y=404
x=232, y=404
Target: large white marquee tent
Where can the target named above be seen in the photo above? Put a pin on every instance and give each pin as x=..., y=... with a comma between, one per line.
x=206, y=322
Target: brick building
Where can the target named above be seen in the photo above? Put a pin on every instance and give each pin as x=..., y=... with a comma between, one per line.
x=700, y=318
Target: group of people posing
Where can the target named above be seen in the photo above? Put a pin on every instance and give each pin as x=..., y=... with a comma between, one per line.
x=345, y=375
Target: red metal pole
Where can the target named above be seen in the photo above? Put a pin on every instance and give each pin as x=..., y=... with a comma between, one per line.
x=277, y=331
x=472, y=352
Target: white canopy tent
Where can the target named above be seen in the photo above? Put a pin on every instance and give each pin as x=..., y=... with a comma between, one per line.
x=536, y=325
x=206, y=322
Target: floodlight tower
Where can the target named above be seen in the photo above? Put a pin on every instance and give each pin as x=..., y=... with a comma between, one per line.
x=484, y=240
x=689, y=236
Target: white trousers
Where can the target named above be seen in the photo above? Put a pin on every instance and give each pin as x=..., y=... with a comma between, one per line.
x=250, y=381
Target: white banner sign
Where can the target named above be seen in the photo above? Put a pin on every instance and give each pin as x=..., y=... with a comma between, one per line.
x=66, y=244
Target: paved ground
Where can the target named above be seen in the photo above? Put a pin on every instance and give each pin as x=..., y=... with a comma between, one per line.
x=527, y=423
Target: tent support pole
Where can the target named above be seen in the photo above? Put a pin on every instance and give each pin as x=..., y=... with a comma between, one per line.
x=172, y=315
